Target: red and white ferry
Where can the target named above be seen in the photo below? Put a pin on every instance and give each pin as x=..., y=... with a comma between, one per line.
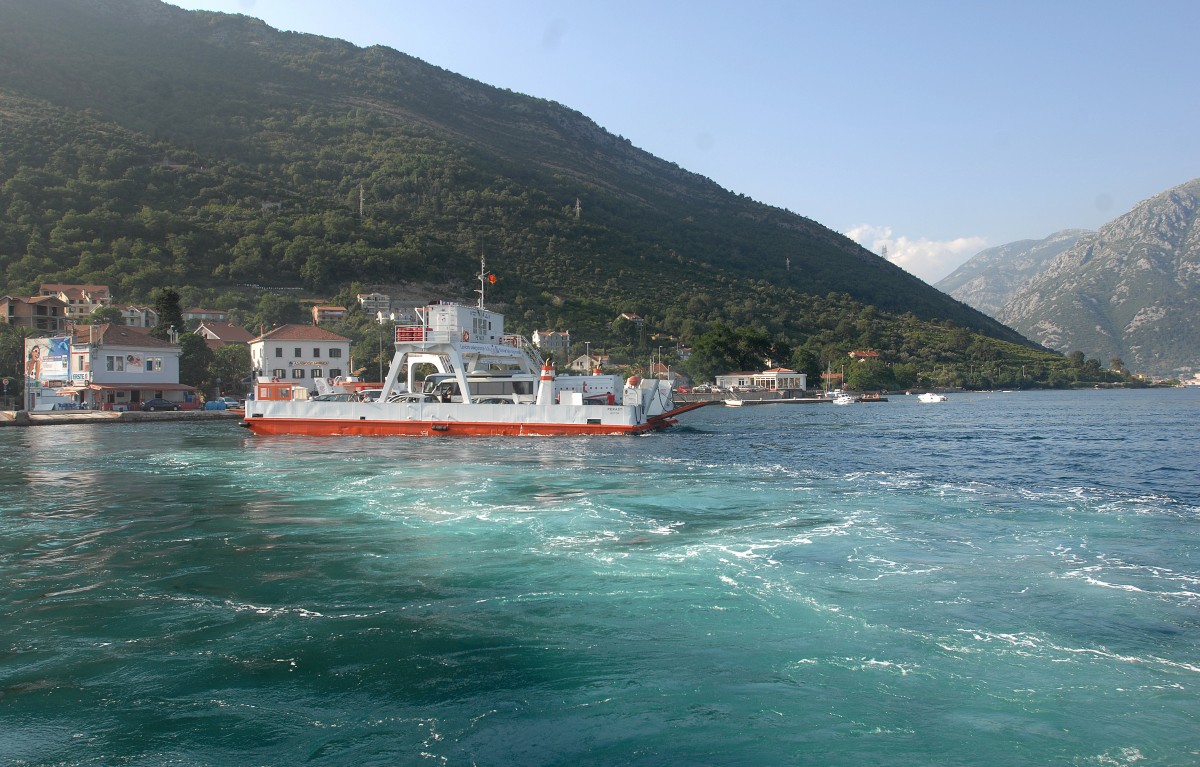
x=483, y=382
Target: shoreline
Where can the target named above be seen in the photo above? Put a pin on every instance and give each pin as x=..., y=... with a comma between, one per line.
x=69, y=417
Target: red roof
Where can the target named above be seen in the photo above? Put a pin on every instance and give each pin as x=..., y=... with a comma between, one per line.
x=300, y=333
x=118, y=335
x=226, y=331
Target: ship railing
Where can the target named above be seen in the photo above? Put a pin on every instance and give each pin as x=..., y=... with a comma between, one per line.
x=421, y=334
x=531, y=351
x=409, y=333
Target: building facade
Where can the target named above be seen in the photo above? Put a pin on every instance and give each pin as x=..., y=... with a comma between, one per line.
x=104, y=367
x=205, y=315
x=300, y=353
x=375, y=302
x=81, y=300
x=322, y=313
x=553, y=343
x=47, y=314
x=218, y=334
x=775, y=379
x=139, y=316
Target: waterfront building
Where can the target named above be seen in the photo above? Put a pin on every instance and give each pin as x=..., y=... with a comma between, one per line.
x=103, y=367
x=300, y=353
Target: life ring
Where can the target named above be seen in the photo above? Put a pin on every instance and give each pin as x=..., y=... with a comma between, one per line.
x=466, y=336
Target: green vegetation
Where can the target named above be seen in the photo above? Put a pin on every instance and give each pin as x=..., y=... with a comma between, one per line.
x=155, y=150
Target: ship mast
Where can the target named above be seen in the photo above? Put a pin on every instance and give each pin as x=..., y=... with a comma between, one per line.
x=484, y=278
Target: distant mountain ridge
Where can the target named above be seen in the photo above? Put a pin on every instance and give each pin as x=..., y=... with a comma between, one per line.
x=148, y=145
x=990, y=278
x=1129, y=291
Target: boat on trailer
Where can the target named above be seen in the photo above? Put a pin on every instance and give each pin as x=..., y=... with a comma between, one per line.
x=478, y=381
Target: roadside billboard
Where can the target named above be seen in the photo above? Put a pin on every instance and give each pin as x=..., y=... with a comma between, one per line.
x=47, y=360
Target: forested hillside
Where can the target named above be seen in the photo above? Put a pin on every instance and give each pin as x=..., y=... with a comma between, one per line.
x=146, y=146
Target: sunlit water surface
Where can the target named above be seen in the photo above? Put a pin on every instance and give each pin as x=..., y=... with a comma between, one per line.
x=1006, y=578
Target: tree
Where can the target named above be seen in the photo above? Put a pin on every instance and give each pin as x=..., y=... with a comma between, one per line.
x=231, y=364
x=805, y=360
x=869, y=375
x=275, y=309
x=195, y=362
x=104, y=315
x=170, y=316
x=713, y=353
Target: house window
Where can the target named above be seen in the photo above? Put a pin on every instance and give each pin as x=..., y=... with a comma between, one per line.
x=335, y=353
x=279, y=373
x=279, y=351
x=317, y=353
x=115, y=364
x=335, y=372
x=298, y=373
x=299, y=353
x=316, y=372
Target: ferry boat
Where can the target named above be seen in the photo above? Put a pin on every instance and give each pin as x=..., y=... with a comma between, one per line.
x=478, y=381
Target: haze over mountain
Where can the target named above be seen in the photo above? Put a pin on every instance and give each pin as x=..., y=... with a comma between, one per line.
x=990, y=278
x=1129, y=291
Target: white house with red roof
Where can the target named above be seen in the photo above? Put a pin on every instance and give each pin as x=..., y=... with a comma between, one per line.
x=299, y=354
x=81, y=300
x=117, y=367
x=775, y=379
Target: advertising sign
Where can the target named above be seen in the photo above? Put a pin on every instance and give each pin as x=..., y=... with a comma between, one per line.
x=46, y=359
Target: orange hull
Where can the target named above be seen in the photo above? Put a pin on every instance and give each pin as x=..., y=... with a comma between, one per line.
x=322, y=427
x=335, y=428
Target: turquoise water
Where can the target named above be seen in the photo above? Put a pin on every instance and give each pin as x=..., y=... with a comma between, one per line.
x=1009, y=578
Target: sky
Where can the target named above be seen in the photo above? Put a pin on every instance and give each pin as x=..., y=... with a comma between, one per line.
x=934, y=128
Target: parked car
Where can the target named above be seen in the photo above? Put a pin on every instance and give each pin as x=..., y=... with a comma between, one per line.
x=394, y=397
x=153, y=405
x=233, y=402
x=340, y=396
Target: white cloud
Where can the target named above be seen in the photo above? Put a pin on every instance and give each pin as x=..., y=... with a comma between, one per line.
x=930, y=260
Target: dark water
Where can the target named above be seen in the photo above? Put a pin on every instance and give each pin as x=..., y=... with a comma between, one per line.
x=1010, y=578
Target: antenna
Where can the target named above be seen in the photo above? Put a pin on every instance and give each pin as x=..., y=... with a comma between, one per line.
x=484, y=278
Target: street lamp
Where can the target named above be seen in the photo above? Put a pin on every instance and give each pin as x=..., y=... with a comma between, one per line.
x=379, y=322
x=379, y=318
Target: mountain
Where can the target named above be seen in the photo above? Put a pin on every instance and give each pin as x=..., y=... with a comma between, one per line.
x=990, y=278
x=1131, y=291
x=145, y=145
